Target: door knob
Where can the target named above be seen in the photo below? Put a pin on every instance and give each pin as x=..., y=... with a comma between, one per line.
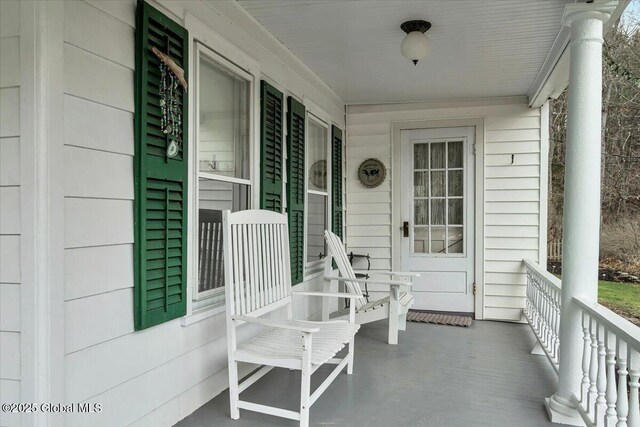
x=405, y=229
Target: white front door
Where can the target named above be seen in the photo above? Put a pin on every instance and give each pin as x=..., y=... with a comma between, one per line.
x=438, y=216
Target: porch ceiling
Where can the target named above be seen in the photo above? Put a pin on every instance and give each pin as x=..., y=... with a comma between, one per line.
x=479, y=48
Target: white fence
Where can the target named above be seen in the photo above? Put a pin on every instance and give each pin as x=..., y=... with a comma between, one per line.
x=609, y=392
x=554, y=250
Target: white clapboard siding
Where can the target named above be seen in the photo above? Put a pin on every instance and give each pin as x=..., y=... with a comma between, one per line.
x=9, y=355
x=511, y=190
x=10, y=210
x=99, y=263
x=10, y=392
x=9, y=111
x=173, y=368
x=93, y=125
x=9, y=161
x=10, y=64
x=10, y=218
x=10, y=307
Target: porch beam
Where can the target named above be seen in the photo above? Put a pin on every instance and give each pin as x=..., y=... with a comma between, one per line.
x=581, y=222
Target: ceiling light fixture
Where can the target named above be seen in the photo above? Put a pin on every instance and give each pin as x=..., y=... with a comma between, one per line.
x=415, y=45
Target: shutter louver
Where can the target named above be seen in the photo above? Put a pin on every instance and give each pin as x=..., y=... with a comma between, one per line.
x=336, y=180
x=295, y=186
x=271, y=116
x=160, y=181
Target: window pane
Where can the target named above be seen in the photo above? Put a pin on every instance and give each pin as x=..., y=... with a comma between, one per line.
x=316, y=224
x=455, y=183
x=455, y=211
x=421, y=240
x=224, y=121
x=455, y=236
x=421, y=184
x=317, y=156
x=421, y=208
x=421, y=156
x=437, y=240
x=437, y=211
x=438, y=184
x=437, y=155
x=454, y=154
x=213, y=198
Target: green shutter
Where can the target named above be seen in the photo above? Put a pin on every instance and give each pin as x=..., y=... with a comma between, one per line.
x=336, y=180
x=160, y=253
x=295, y=186
x=271, y=115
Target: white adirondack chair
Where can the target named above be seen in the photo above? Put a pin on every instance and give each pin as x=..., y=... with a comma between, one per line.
x=258, y=282
x=393, y=307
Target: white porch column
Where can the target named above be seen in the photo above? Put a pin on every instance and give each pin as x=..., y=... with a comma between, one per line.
x=581, y=196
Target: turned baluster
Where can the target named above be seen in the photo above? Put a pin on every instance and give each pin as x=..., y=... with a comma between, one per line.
x=622, y=405
x=601, y=401
x=586, y=354
x=633, y=419
x=593, y=369
x=612, y=393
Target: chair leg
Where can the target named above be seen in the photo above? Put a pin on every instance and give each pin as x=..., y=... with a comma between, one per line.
x=402, y=323
x=234, y=396
x=350, y=356
x=305, y=383
x=393, y=315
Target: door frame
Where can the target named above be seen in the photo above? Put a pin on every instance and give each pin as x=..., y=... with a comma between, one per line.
x=396, y=194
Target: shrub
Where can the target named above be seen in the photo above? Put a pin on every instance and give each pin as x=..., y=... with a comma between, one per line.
x=621, y=240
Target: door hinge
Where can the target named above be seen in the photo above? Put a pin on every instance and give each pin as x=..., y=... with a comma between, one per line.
x=474, y=288
x=474, y=148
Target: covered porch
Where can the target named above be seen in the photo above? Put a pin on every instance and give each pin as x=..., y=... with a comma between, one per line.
x=483, y=375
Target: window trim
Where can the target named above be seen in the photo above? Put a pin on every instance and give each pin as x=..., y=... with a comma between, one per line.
x=311, y=268
x=198, y=300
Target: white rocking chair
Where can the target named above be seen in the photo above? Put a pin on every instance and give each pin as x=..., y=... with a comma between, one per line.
x=393, y=307
x=258, y=282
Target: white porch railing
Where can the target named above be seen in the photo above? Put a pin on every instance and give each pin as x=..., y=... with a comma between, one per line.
x=542, y=310
x=610, y=368
x=609, y=392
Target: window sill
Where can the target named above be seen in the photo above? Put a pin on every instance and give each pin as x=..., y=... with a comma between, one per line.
x=203, y=313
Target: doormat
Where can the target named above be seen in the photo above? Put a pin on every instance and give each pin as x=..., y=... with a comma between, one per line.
x=439, y=318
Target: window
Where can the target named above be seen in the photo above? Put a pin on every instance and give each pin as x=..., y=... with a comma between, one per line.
x=317, y=190
x=222, y=158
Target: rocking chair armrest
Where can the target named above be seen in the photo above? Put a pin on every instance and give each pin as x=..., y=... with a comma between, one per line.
x=389, y=273
x=327, y=294
x=369, y=281
x=291, y=325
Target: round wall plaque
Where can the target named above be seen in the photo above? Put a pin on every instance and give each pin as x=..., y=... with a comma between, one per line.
x=372, y=173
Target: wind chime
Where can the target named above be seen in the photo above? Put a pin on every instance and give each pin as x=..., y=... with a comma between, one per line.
x=171, y=77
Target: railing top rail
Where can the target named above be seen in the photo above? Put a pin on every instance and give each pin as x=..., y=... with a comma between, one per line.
x=553, y=280
x=618, y=325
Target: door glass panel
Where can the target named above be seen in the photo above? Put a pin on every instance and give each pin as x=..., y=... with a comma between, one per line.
x=437, y=211
x=421, y=208
x=421, y=184
x=421, y=240
x=455, y=211
x=454, y=154
x=438, y=191
x=438, y=184
x=455, y=238
x=437, y=240
x=455, y=183
x=437, y=155
x=421, y=156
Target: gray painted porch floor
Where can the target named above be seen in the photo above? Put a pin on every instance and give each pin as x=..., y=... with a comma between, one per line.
x=483, y=375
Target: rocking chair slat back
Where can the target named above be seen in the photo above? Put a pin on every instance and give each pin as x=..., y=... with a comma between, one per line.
x=258, y=260
x=339, y=254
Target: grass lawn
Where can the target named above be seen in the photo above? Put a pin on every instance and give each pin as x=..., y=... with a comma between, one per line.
x=623, y=298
